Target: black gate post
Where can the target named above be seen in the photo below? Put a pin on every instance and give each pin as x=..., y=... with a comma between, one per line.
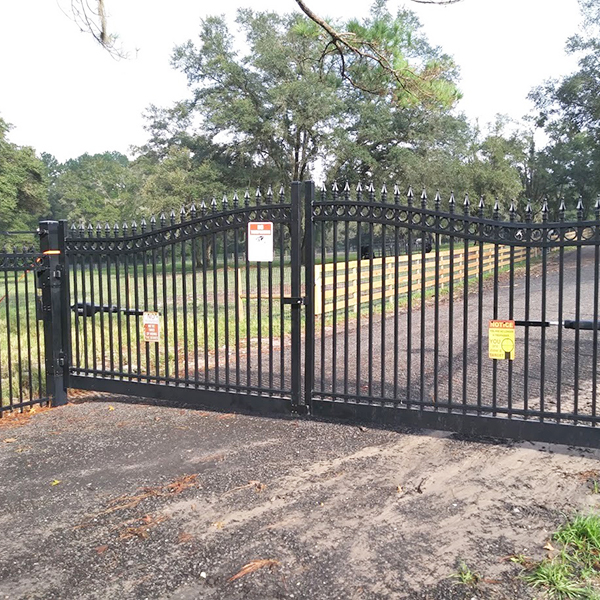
x=52, y=281
x=296, y=306
x=309, y=298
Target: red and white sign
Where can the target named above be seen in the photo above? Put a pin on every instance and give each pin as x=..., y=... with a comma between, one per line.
x=151, y=323
x=260, y=242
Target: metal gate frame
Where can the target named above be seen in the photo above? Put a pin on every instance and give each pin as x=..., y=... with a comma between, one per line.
x=90, y=251
x=544, y=424
x=87, y=252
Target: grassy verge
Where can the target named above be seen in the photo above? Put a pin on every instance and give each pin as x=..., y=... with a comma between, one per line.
x=573, y=572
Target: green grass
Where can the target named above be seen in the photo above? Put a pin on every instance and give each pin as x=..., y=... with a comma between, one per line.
x=465, y=575
x=575, y=572
x=21, y=361
x=217, y=324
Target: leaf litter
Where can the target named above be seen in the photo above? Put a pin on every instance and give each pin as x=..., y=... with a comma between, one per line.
x=174, y=488
x=254, y=565
x=129, y=502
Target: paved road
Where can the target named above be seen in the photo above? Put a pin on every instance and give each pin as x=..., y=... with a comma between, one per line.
x=368, y=352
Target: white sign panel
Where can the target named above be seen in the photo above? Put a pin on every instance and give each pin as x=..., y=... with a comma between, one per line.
x=151, y=323
x=260, y=242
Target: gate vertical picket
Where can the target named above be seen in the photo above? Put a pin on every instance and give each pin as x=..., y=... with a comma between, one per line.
x=296, y=300
x=309, y=291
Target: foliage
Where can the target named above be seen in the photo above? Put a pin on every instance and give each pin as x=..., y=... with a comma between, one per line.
x=465, y=576
x=23, y=191
x=175, y=181
x=97, y=187
x=569, y=111
x=285, y=105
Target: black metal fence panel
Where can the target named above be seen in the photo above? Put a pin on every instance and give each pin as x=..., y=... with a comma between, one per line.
x=177, y=304
x=403, y=295
x=412, y=311
x=22, y=352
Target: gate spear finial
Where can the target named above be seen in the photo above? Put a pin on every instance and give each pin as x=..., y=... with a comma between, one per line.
x=580, y=209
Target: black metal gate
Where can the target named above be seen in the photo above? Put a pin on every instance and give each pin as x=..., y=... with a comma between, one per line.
x=173, y=309
x=400, y=303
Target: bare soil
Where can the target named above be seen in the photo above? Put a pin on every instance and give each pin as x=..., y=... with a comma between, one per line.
x=115, y=499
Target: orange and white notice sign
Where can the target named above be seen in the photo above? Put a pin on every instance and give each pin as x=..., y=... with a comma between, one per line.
x=502, y=340
x=151, y=324
x=260, y=241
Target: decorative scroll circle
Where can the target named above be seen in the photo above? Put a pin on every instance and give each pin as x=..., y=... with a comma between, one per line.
x=537, y=235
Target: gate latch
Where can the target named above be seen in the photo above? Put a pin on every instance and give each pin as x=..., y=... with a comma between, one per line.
x=295, y=301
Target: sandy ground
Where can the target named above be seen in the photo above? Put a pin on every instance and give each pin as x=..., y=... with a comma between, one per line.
x=111, y=499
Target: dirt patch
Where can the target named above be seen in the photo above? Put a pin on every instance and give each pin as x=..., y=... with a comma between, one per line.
x=157, y=502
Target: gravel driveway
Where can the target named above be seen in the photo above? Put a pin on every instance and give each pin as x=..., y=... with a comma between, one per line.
x=114, y=499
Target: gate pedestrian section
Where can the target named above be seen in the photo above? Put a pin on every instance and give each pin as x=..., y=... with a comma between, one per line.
x=375, y=307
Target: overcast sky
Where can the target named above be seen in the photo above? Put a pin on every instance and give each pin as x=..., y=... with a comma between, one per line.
x=67, y=96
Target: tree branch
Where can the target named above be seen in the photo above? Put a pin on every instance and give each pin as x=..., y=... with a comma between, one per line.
x=342, y=42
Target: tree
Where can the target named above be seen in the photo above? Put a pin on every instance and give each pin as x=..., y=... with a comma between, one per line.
x=285, y=104
x=23, y=192
x=175, y=180
x=569, y=111
x=92, y=188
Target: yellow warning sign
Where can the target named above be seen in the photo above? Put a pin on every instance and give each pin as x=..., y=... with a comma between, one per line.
x=502, y=340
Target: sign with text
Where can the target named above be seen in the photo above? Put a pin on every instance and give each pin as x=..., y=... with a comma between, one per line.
x=151, y=323
x=260, y=242
x=502, y=340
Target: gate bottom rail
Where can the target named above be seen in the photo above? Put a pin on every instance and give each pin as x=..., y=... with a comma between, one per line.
x=215, y=400
x=471, y=425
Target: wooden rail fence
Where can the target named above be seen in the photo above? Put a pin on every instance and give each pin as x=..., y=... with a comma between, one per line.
x=355, y=283
x=358, y=285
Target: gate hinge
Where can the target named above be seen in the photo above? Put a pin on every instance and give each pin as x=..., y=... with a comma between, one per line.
x=295, y=301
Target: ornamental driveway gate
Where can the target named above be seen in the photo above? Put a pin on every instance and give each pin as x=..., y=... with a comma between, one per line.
x=375, y=307
x=402, y=293
x=173, y=309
